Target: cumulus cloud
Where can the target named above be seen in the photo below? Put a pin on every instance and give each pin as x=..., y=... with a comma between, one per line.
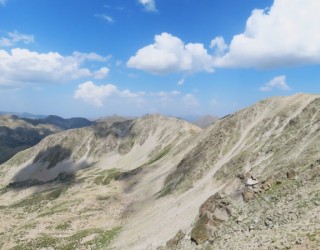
x=95, y=95
x=22, y=66
x=169, y=54
x=286, y=34
x=101, y=73
x=278, y=82
x=149, y=5
x=100, y=95
x=219, y=45
x=15, y=37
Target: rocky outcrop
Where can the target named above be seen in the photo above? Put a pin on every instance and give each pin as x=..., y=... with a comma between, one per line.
x=174, y=242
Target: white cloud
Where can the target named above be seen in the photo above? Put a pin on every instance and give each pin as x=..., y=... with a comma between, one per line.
x=96, y=95
x=219, y=44
x=149, y=5
x=101, y=73
x=21, y=66
x=100, y=95
x=105, y=17
x=286, y=34
x=5, y=42
x=169, y=54
x=180, y=82
x=190, y=100
x=277, y=82
x=15, y=37
x=82, y=57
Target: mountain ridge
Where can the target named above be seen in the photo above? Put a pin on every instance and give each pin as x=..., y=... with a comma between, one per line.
x=21, y=133
x=211, y=187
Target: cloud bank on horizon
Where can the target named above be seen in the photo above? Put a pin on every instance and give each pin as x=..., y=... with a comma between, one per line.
x=99, y=95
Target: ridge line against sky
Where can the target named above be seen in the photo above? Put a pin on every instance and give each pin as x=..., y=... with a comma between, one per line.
x=144, y=56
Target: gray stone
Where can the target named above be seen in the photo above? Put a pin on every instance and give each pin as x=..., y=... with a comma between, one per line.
x=251, y=182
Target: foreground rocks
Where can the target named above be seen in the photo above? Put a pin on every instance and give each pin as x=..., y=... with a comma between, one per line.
x=277, y=213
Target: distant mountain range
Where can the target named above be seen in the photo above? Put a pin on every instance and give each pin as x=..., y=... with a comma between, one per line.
x=17, y=133
x=205, y=121
x=201, y=121
x=64, y=124
x=23, y=115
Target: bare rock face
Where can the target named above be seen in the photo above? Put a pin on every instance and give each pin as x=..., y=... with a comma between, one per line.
x=172, y=243
x=199, y=233
x=209, y=204
x=212, y=213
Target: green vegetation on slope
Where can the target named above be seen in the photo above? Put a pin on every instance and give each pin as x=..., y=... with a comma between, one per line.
x=158, y=156
x=101, y=239
x=107, y=176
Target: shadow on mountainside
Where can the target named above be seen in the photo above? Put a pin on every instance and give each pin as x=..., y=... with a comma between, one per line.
x=17, y=139
x=117, y=129
x=52, y=155
x=64, y=124
x=120, y=135
x=45, y=160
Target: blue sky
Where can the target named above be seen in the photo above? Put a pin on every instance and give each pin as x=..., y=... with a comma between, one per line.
x=95, y=58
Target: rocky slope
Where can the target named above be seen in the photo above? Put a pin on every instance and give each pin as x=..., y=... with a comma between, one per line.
x=264, y=163
x=87, y=181
x=17, y=134
x=250, y=180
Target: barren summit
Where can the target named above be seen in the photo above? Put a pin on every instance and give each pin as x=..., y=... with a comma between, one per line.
x=250, y=180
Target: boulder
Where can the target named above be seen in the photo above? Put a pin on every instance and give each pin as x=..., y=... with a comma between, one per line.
x=251, y=182
x=221, y=214
x=209, y=204
x=212, y=226
x=199, y=233
x=248, y=195
x=172, y=243
x=268, y=182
